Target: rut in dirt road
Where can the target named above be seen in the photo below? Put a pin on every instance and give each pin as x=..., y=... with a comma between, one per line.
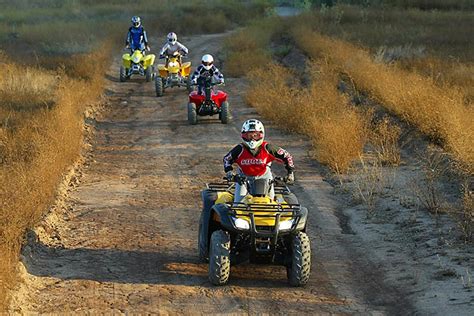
x=125, y=239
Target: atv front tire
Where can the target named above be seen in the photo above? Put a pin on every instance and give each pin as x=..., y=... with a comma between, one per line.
x=219, y=257
x=192, y=114
x=189, y=87
x=159, y=86
x=225, y=113
x=123, y=74
x=149, y=73
x=300, y=267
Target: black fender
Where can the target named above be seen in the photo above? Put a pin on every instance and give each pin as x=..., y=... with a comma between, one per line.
x=223, y=212
x=302, y=220
x=209, y=197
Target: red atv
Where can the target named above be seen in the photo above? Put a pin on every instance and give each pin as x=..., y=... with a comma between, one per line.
x=211, y=103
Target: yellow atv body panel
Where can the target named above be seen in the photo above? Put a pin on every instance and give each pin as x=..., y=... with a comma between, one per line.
x=227, y=198
x=138, y=57
x=174, y=67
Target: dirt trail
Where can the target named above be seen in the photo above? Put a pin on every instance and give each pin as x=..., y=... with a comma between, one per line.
x=125, y=238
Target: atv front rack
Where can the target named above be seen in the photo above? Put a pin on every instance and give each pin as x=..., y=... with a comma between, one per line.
x=277, y=211
x=264, y=238
x=226, y=186
x=220, y=186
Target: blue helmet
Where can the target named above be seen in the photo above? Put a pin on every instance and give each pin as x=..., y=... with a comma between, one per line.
x=136, y=22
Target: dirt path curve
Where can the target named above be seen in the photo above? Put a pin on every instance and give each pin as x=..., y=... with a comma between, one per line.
x=125, y=240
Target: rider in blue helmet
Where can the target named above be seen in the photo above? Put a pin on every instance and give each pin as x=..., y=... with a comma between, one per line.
x=136, y=36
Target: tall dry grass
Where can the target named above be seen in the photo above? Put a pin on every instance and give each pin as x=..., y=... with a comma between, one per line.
x=248, y=48
x=37, y=144
x=426, y=41
x=320, y=111
x=439, y=113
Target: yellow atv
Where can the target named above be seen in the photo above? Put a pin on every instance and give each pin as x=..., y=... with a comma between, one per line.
x=137, y=63
x=259, y=229
x=173, y=73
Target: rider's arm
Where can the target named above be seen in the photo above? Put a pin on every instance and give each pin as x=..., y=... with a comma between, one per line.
x=128, y=40
x=182, y=48
x=281, y=155
x=196, y=73
x=163, y=49
x=145, y=38
x=231, y=157
x=217, y=73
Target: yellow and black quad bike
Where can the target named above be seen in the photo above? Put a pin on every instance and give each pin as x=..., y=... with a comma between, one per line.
x=137, y=64
x=174, y=73
x=259, y=229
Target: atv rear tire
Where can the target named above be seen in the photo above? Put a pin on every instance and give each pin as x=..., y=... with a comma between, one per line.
x=149, y=74
x=159, y=86
x=300, y=267
x=225, y=113
x=192, y=114
x=203, y=242
x=219, y=257
x=123, y=74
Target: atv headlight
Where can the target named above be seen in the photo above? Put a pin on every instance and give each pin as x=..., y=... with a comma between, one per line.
x=136, y=60
x=173, y=64
x=285, y=225
x=241, y=223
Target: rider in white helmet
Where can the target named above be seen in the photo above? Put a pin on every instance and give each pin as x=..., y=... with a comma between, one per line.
x=206, y=70
x=254, y=157
x=172, y=46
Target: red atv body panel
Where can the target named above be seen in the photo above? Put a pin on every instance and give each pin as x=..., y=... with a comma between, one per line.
x=198, y=99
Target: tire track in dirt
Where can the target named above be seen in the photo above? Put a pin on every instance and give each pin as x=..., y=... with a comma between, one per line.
x=128, y=240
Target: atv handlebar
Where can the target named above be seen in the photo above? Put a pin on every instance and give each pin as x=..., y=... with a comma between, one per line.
x=212, y=84
x=241, y=179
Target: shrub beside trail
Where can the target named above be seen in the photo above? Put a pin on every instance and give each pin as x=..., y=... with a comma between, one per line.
x=41, y=135
x=319, y=111
x=438, y=112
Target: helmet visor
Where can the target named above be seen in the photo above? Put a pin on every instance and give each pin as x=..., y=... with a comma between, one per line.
x=207, y=63
x=136, y=24
x=253, y=135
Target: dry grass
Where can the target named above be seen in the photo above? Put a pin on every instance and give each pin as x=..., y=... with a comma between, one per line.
x=466, y=216
x=337, y=131
x=439, y=113
x=385, y=141
x=37, y=144
x=368, y=183
x=25, y=88
x=425, y=41
x=427, y=189
x=249, y=47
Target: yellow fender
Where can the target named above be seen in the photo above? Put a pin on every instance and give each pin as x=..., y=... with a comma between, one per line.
x=224, y=197
x=186, y=69
x=126, y=60
x=148, y=60
x=162, y=70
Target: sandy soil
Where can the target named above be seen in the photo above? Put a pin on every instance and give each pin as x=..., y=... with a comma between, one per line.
x=123, y=237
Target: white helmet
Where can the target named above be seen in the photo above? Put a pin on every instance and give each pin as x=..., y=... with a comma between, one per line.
x=172, y=38
x=207, y=61
x=136, y=21
x=253, y=133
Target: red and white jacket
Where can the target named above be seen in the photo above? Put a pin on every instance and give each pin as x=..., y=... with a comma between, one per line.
x=255, y=164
